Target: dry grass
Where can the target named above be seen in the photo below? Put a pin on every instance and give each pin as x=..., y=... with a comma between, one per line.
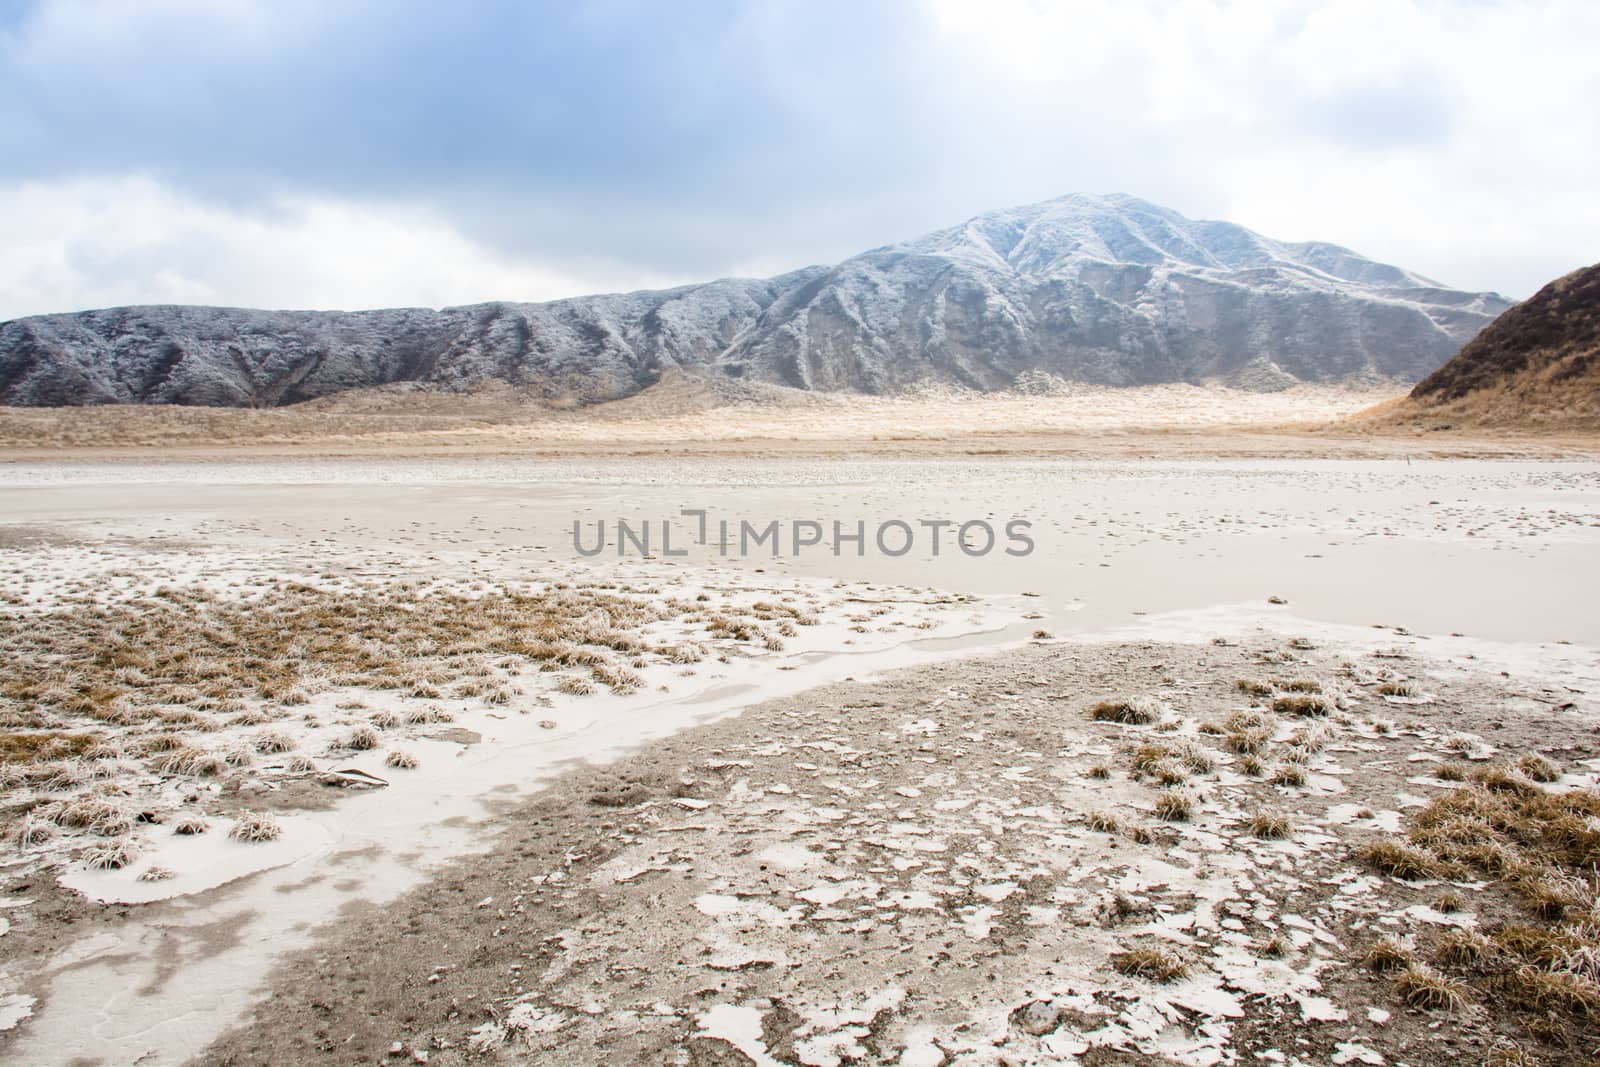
x=1387, y=956
x=1173, y=806
x=1542, y=990
x=28, y=747
x=693, y=413
x=363, y=739
x=1139, y=711
x=1510, y=1054
x=1306, y=706
x=1289, y=775
x=1249, y=733
x=1148, y=758
x=1399, y=860
x=404, y=761
x=95, y=689
x=1276, y=947
x=113, y=855
x=1423, y=987
x=1270, y=826
x=1104, y=822
x=1464, y=949
x=1539, y=769
x=189, y=649
x=32, y=831
x=1197, y=759
x=1151, y=964
x=255, y=826
x=1166, y=774
x=1540, y=849
x=273, y=741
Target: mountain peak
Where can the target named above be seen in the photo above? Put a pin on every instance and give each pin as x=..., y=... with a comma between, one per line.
x=1102, y=288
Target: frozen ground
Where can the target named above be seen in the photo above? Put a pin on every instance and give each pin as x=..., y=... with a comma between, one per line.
x=958, y=865
x=1386, y=558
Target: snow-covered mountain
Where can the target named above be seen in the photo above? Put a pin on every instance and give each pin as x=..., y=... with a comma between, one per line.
x=1105, y=289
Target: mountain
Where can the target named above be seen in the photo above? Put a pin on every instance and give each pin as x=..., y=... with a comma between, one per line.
x=1103, y=289
x=1539, y=362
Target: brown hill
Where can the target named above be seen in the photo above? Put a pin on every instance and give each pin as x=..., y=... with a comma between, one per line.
x=1537, y=365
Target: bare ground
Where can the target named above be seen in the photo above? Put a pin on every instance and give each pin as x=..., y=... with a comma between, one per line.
x=927, y=870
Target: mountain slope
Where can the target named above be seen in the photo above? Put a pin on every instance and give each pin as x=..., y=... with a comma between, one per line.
x=1539, y=362
x=1110, y=290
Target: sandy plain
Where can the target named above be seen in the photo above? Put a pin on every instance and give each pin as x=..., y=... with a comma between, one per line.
x=527, y=805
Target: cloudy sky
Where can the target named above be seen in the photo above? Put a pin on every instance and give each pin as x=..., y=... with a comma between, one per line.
x=306, y=153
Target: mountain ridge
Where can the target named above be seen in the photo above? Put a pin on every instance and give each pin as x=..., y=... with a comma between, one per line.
x=1103, y=289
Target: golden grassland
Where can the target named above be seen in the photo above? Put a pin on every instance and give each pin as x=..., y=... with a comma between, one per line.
x=95, y=693
x=686, y=415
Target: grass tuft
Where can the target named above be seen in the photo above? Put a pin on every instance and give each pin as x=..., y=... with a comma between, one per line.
x=1387, y=956
x=1302, y=705
x=1539, y=769
x=1270, y=826
x=1423, y=987
x=1138, y=711
x=1152, y=964
x=255, y=826
x=1399, y=861
x=112, y=855
x=1104, y=822
x=1173, y=806
x=1291, y=775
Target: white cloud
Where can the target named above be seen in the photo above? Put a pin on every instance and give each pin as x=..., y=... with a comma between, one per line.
x=1455, y=139
x=133, y=240
x=1459, y=140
